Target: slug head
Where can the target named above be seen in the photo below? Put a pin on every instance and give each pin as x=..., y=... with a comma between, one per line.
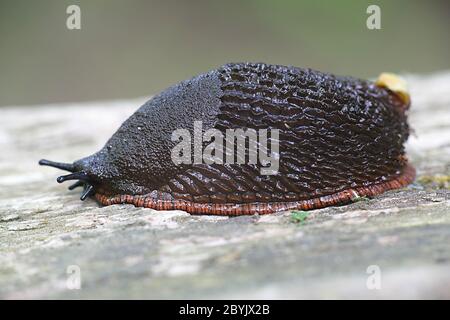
x=97, y=173
x=82, y=177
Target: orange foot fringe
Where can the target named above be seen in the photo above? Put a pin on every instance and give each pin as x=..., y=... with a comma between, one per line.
x=154, y=201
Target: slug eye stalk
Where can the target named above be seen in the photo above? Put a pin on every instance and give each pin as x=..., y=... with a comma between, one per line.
x=59, y=165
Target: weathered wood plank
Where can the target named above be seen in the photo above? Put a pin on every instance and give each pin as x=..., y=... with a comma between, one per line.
x=127, y=252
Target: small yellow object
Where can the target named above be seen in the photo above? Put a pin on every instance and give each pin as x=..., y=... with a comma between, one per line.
x=394, y=83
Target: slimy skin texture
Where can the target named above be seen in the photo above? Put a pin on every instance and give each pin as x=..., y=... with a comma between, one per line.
x=340, y=138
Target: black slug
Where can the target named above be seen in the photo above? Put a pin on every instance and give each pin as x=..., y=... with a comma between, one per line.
x=309, y=140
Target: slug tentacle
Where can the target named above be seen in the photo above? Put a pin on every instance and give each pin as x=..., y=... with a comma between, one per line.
x=82, y=177
x=63, y=166
x=73, y=176
x=88, y=191
x=76, y=185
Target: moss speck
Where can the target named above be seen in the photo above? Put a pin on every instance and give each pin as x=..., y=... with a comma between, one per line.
x=299, y=216
x=359, y=198
x=440, y=181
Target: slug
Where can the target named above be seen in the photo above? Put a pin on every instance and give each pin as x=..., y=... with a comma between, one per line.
x=338, y=139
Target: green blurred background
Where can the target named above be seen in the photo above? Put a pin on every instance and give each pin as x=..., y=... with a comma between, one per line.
x=137, y=48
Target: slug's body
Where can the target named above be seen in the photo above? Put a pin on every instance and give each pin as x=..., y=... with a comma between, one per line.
x=339, y=139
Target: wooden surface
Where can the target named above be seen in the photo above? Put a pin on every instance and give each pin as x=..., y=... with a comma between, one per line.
x=127, y=252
